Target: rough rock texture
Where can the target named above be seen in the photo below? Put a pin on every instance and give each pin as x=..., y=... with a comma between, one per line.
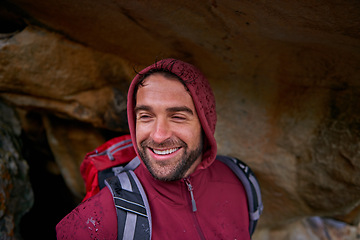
x=43, y=70
x=16, y=196
x=68, y=142
x=285, y=75
x=314, y=228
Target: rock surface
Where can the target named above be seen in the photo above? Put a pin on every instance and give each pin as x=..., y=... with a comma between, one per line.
x=16, y=196
x=314, y=228
x=285, y=76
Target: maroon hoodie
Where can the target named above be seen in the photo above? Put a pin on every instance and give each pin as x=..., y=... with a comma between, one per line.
x=221, y=208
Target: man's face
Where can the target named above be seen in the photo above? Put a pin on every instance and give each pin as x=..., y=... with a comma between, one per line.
x=168, y=130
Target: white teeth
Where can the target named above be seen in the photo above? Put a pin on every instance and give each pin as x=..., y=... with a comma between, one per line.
x=164, y=152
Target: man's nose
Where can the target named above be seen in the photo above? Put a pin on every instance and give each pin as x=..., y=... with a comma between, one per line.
x=161, y=131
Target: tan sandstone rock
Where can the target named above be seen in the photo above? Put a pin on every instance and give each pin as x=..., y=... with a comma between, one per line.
x=42, y=70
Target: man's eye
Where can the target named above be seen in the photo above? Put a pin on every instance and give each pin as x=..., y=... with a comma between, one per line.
x=144, y=117
x=179, y=117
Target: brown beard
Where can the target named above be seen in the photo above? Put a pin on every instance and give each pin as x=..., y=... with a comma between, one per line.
x=181, y=168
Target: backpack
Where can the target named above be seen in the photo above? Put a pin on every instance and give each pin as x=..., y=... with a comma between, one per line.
x=103, y=161
x=112, y=165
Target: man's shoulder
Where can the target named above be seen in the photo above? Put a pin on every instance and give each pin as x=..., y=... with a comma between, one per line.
x=221, y=172
x=95, y=216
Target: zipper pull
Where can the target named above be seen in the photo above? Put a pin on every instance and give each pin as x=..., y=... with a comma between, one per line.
x=190, y=188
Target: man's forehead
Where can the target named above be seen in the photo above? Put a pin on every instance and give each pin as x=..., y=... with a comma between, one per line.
x=159, y=91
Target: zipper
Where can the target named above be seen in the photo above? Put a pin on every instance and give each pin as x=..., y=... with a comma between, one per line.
x=190, y=188
x=194, y=208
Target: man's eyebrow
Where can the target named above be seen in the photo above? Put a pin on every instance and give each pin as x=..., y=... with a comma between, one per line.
x=170, y=110
x=142, y=108
x=180, y=109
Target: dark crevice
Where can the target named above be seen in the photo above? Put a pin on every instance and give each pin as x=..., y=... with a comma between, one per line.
x=52, y=198
x=10, y=22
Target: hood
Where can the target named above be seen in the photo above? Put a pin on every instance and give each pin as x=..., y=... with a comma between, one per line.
x=201, y=94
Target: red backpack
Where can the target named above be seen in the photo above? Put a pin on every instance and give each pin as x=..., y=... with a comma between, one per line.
x=103, y=162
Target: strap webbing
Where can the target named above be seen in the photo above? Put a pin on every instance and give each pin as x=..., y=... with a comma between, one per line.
x=130, y=223
x=132, y=207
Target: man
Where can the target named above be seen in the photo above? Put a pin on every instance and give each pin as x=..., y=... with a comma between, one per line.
x=172, y=118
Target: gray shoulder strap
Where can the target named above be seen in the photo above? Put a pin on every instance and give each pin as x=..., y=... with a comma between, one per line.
x=132, y=207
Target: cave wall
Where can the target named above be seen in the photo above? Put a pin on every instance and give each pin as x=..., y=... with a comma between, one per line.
x=16, y=195
x=285, y=76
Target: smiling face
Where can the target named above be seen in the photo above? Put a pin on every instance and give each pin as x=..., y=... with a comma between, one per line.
x=168, y=130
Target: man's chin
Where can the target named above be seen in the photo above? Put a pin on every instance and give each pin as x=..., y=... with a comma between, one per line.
x=160, y=172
